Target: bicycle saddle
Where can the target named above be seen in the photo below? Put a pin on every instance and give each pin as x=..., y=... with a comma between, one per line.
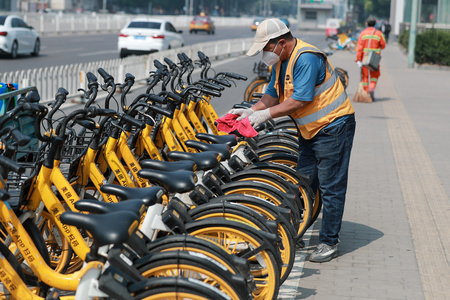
x=111, y=228
x=149, y=195
x=161, y=165
x=205, y=160
x=97, y=207
x=230, y=139
x=223, y=149
x=174, y=182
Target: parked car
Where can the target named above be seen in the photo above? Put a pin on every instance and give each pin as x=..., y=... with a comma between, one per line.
x=144, y=36
x=202, y=23
x=256, y=22
x=16, y=37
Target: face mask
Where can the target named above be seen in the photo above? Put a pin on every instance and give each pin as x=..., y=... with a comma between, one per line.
x=271, y=58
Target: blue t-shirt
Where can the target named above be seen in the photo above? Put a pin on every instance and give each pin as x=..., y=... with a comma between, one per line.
x=308, y=65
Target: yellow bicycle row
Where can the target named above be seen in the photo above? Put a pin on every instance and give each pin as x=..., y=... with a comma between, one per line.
x=146, y=198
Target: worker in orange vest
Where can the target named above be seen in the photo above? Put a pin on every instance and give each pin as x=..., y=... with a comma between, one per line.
x=377, y=42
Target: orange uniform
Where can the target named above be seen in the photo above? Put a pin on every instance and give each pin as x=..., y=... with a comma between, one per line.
x=369, y=78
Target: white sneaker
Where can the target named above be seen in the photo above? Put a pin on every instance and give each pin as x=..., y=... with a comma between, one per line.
x=323, y=253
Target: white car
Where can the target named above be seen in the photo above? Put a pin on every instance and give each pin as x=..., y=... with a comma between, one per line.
x=143, y=36
x=16, y=37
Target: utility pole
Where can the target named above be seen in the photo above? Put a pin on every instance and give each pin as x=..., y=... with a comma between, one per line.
x=412, y=34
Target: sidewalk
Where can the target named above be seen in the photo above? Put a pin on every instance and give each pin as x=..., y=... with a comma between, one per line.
x=395, y=237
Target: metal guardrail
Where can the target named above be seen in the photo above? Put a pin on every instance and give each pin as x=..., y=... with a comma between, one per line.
x=72, y=77
x=57, y=24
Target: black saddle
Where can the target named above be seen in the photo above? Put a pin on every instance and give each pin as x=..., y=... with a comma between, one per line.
x=111, y=228
x=98, y=207
x=223, y=149
x=149, y=195
x=174, y=182
x=206, y=160
x=230, y=139
x=162, y=165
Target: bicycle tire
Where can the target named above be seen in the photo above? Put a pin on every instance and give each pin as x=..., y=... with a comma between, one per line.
x=225, y=233
x=275, y=150
x=289, y=160
x=241, y=213
x=278, y=142
x=178, y=288
x=182, y=263
x=317, y=206
x=264, y=191
x=186, y=242
x=249, y=88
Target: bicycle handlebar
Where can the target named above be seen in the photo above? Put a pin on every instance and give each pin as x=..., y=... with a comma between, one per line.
x=10, y=165
x=20, y=138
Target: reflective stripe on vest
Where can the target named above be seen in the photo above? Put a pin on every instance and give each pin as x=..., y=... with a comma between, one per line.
x=330, y=100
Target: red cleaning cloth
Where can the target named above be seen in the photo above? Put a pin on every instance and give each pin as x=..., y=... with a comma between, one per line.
x=228, y=124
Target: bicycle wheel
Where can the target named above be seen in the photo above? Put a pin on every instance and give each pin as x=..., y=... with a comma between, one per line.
x=248, y=91
x=234, y=264
x=185, y=264
x=289, y=160
x=178, y=288
x=265, y=192
x=62, y=258
x=279, y=143
x=275, y=150
x=240, y=213
x=305, y=199
x=244, y=241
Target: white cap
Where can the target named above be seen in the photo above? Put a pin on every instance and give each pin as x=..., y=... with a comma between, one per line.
x=267, y=30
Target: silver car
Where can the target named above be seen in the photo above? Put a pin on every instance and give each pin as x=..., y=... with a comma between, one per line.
x=16, y=37
x=144, y=35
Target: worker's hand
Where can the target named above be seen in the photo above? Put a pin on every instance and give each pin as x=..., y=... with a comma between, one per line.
x=242, y=112
x=359, y=64
x=259, y=117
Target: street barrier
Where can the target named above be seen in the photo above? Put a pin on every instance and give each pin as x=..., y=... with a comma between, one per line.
x=72, y=77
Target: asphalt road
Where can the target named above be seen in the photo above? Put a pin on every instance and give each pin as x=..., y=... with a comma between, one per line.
x=73, y=49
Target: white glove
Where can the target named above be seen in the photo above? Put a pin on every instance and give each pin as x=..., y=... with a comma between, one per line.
x=242, y=112
x=259, y=117
x=359, y=64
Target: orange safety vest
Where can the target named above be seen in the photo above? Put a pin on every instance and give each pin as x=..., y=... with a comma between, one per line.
x=330, y=100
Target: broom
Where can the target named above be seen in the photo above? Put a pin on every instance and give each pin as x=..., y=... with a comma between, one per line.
x=361, y=95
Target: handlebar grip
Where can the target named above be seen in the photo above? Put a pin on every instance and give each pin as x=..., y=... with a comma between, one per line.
x=61, y=94
x=129, y=76
x=187, y=58
x=211, y=92
x=11, y=165
x=170, y=63
x=88, y=124
x=181, y=57
x=161, y=111
x=158, y=64
x=96, y=111
x=175, y=97
x=33, y=97
x=212, y=86
x=156, y=98
x=4, y=195
x=201, y=55
x=130, y=120
x=222, y=82
x=91, y=77
x=20, y=138
x=235, y=76
x=105, y=75
x=34, y=107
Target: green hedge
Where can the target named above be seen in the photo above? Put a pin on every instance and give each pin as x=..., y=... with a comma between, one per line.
x=431, y=46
